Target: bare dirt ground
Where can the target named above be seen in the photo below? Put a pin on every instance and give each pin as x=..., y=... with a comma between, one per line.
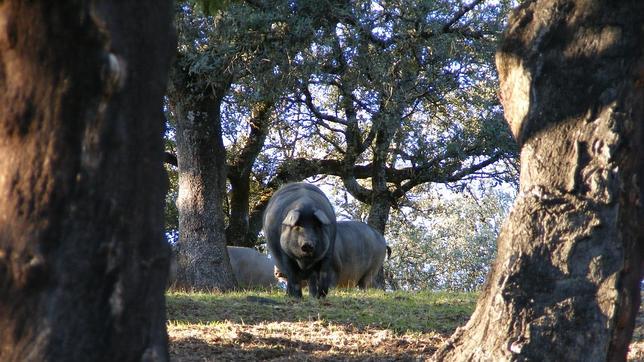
x=300, y=341
x=315, y=340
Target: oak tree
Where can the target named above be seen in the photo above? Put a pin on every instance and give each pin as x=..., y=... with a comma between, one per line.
x=83, y=263
x=566, y=283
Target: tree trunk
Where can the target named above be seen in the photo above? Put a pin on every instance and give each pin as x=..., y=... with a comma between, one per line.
x=565, y=285
x=237, y=232
x=379, y=211
x=378, y=217
x=83, y=263
x=238, y=221
x=381, y=197
x=202, y=258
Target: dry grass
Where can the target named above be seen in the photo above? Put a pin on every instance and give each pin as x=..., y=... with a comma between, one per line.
x=299, y=341
x=347, y=326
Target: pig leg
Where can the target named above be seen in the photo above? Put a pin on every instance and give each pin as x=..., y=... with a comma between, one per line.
x=293, y=282
x=313, y=285
x=293, y=288
x=325, y=282
x=326, y=276
x=366, y=281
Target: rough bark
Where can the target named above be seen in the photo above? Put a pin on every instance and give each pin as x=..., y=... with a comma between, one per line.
x=565, y=285
x=202, y=259
x=83, y=263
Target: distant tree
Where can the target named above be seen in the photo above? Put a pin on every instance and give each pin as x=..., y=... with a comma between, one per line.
x=202, y=259
x=240, y=173
x=218, y=57
x=392, y=97
x=566, y=283
x=83, y=263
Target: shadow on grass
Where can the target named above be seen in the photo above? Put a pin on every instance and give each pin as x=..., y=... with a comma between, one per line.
x=262, y=349
x=195, y=349
x=399, y=312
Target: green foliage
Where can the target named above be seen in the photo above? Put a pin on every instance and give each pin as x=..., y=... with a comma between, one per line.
x=210, y=7
x=446, y=243
x=396, y=67
x=441, y=238
x=397, y=311
x=171, y=212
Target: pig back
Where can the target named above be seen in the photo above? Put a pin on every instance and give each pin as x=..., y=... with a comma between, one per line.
x=359, y=252
x=251, y=268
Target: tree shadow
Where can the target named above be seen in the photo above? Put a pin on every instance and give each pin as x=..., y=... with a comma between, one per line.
x=249, y=349
x=258, y=348
x=587, y=76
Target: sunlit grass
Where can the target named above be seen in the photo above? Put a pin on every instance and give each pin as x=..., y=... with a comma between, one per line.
x=399, y=312
x=348, y=325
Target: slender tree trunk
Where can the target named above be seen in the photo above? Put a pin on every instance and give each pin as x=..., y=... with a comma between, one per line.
x=565, y=285
x=202, y=259
x=255, y=225
x=83, y=263
x=378, y=217
x=238, y=221
x=381, y=197
x=379, y=211
x=237, y=232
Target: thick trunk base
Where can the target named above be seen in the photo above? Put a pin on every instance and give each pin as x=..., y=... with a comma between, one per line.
x=565, y=285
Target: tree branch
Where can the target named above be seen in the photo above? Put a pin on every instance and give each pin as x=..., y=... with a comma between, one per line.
x=259, y=124
x=308, y=100
x=459, y=14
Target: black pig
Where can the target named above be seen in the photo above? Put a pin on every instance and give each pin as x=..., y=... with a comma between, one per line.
x=358, y=254
x=300, y=228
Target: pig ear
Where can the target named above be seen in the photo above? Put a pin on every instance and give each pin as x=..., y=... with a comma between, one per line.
x=322, y=217
x=291, y=218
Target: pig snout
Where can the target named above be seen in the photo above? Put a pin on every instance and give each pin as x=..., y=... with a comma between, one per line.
x=308, y=248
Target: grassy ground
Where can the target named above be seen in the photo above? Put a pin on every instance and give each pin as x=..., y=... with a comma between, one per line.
x=347, y=326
